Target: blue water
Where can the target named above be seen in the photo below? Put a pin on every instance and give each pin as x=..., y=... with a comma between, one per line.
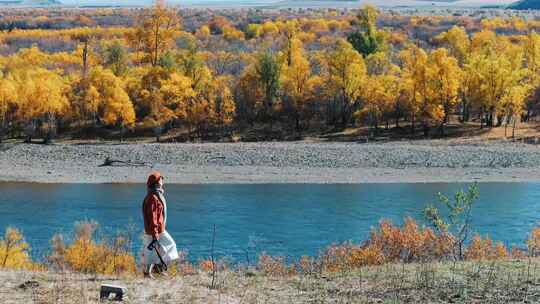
x=282, y=219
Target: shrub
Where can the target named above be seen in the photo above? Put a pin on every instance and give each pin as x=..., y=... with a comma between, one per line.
x=517, y=253
x=306, y=265
x=533, y=242
x=86, y=255
x=483, y=249
x=336, y=258
x=207, y=265
x=407, y=244
x=274, y=266
x=14, y=251
x=389, y=244
x=459, y=210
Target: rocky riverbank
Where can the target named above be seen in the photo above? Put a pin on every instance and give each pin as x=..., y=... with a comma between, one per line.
x=273, y=162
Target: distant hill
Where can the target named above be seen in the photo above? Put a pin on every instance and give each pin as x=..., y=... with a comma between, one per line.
x=277, y=3
x=526, y=4
x=30, y=2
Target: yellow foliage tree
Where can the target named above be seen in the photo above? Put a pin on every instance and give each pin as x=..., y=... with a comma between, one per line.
x=415, y=85
x=85, y=255
x=154, y=32
x=203, y=33
x=8, y=99
x=106, y=96
x=457, y=41
x=444, y=80
x=379, y=94
x=41, y=99
x=14, y=251
x=513, y=103
x=297, y=83
x=177, y=93
x=225, y=107
x=344, y=76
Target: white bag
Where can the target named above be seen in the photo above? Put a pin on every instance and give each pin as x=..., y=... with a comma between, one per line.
x=167, y=249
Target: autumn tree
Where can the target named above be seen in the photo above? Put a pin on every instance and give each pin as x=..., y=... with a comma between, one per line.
x=457, y=41
x=249, y=94
x=296, y=80
x=532, y=63
x=210, y=105
x=155, y=31
x=379, y=95
x=203, y=33
x=471, y=87
x=116, y=58
x=8, y=98
x=41, y=100
x=431, y=84
x=415, y=80
x=444, y=77
x=85, y=39
x=102, y=96
x=224, y=105
x=513, y=104
x=14, y=251
x=367, y=40
x=192, y=64
x=267, y=72
x=382, y=94
x=497, y=73
x=176, y=94
x=344, y=75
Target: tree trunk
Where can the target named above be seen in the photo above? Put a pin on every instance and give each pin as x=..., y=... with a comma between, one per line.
x=441, y=129
x=481, y=116
x=85, y=58
x=412, y=125
x=425, y=127
x=2, y=129
x=499, y=120
x=514, y=130
x=463, y=110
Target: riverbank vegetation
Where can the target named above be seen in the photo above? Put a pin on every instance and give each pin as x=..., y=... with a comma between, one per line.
x=406, y=264
x=262, y=75
x=443, y=262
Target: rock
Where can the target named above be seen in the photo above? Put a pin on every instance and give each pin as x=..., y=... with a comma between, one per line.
x=112, y=292
x=29, y=284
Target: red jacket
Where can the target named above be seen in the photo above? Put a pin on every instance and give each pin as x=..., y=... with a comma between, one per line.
x=153, y=215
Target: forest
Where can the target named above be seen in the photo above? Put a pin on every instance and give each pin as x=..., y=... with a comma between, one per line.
x=195, y=74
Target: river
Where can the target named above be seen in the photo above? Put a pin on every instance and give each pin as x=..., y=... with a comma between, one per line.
x=280, y=219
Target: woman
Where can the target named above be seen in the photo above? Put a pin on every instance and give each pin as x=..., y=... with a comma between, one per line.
x=155, y=220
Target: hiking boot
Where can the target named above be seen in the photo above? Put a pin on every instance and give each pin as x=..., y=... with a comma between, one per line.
x=147, y=273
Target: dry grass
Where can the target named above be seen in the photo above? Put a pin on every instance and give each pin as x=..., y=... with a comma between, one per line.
x=461, y=282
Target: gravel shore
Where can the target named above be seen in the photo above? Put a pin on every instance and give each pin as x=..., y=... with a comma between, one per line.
x=274, y=162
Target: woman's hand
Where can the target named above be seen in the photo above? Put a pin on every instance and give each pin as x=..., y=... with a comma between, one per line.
x=152, y=244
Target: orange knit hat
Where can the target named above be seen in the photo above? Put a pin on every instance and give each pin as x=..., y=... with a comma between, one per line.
x=153, y=179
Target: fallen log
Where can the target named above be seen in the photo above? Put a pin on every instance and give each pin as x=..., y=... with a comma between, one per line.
x=109, y=162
